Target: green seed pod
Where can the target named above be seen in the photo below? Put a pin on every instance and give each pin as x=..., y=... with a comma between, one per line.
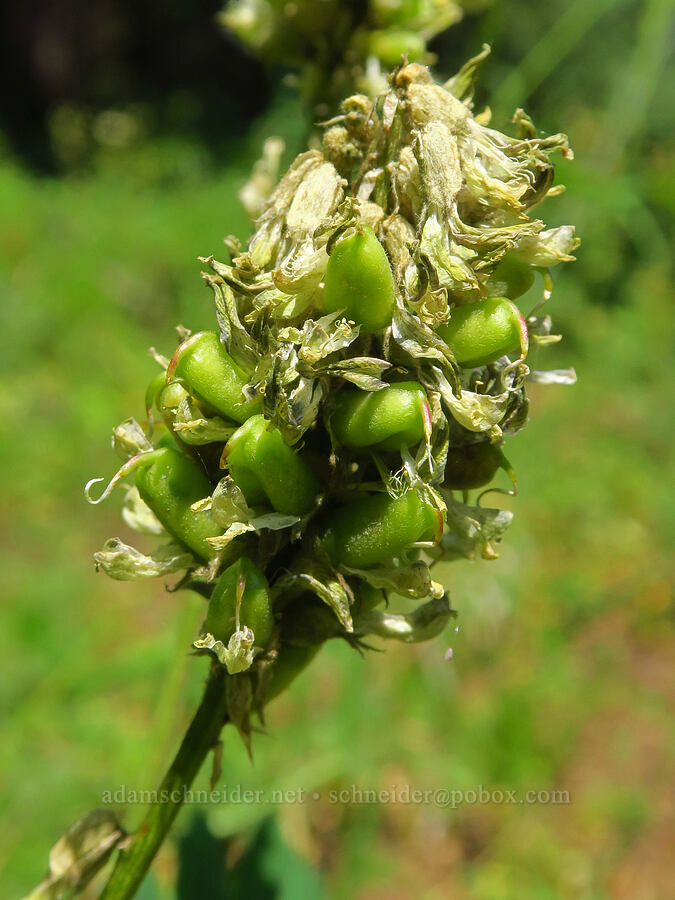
x=479, y=333
x=307, y=621
x=153, y=389
x=206, y=368
x=268, y=471
x=515, y=274
x=369, y=531
x=290, y=662
x=240, y=597
x=390, y=45
x=164, y=437
x=170, y=395
x=385, y=420
x=396, y=12
x=367, y=599
x=359, y=281
x=168, y=399
x=473, y=466
x=186, y=420
x=169, y=483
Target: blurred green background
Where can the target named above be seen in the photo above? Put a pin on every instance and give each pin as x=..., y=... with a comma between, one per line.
x=562, y=670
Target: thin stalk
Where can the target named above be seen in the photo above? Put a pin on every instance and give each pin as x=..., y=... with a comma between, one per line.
x=133, y=863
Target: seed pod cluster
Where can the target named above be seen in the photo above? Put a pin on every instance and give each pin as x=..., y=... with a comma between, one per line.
x=317, y=453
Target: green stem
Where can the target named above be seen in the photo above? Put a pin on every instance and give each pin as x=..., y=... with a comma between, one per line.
x=133, y=863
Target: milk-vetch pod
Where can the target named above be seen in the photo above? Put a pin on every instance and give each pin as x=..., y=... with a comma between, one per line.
x=479, y=333
x=269, y=471
x=169, y=483
x=388, y=419
x=212, y=375
x=359, y=281
x=240, y=597
x=368, y=531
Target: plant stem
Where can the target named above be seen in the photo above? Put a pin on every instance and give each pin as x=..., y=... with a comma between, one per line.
x=133, y=863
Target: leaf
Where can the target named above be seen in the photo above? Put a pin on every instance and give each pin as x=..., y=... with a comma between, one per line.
x=291, y=400
x=432, y=455
x=321, y=338
x=437, y=153
x=316, y=199
x=477, y=412
x=229, y=510
x=545, y=340
x=449, y=260
x=228, y=503
x=274, y=521
x=308, y=195
x=300, y=273
x=256, y=192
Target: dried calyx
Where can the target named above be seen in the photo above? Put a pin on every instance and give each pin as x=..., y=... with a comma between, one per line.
x=369, y=363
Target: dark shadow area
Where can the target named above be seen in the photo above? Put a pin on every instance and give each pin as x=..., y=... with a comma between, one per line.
x=201, y=861
x=267, y=869
x=169, y=61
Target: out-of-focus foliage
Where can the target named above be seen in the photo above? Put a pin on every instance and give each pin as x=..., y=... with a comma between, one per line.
x=338, y=47
x=561, y=669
